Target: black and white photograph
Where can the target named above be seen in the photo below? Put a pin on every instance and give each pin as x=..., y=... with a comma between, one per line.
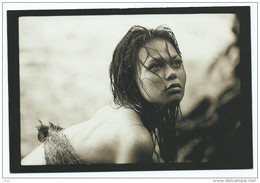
x=130, y=89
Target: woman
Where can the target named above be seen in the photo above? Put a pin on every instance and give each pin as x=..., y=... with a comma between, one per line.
x=148, y=82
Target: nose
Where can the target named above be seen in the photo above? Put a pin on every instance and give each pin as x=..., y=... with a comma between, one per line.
x=170, y=73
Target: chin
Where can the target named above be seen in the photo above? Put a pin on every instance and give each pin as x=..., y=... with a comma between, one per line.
x=167, y=102
x=173, y=100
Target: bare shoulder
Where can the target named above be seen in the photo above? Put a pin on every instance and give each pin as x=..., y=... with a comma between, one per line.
x=130, y=126
x=127, y=115
x=117, y=115
x=126, y=124
x=113, y=135
x=137, y=136
x=135, y=144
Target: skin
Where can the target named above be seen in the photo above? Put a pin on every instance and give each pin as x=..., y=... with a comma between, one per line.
x=127, y=140
x=94, y=143
x=161, y=66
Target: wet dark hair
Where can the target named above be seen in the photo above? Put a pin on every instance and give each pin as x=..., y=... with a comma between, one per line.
x=123, y=77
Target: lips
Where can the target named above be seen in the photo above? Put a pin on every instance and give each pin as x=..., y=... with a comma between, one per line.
x=175, y=87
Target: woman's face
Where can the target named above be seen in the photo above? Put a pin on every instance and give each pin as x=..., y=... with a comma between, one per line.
x=161, y=76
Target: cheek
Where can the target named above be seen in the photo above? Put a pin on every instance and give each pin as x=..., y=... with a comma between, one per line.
x=182, y=77
x=152, y=82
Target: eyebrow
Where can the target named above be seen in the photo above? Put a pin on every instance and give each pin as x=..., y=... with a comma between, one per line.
x=155, y=59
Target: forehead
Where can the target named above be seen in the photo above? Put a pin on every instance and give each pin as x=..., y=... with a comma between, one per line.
x=157, y=48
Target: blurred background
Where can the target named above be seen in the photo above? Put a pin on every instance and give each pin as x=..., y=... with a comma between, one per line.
x=64, y=77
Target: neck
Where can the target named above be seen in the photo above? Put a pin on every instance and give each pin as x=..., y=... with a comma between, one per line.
x=158, y=116
x=162, y=118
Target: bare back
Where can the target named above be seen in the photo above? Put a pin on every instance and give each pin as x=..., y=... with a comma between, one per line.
x=112, y=135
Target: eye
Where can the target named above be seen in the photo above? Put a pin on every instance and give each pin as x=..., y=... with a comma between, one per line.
x=156, y=67
x=177, y=63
